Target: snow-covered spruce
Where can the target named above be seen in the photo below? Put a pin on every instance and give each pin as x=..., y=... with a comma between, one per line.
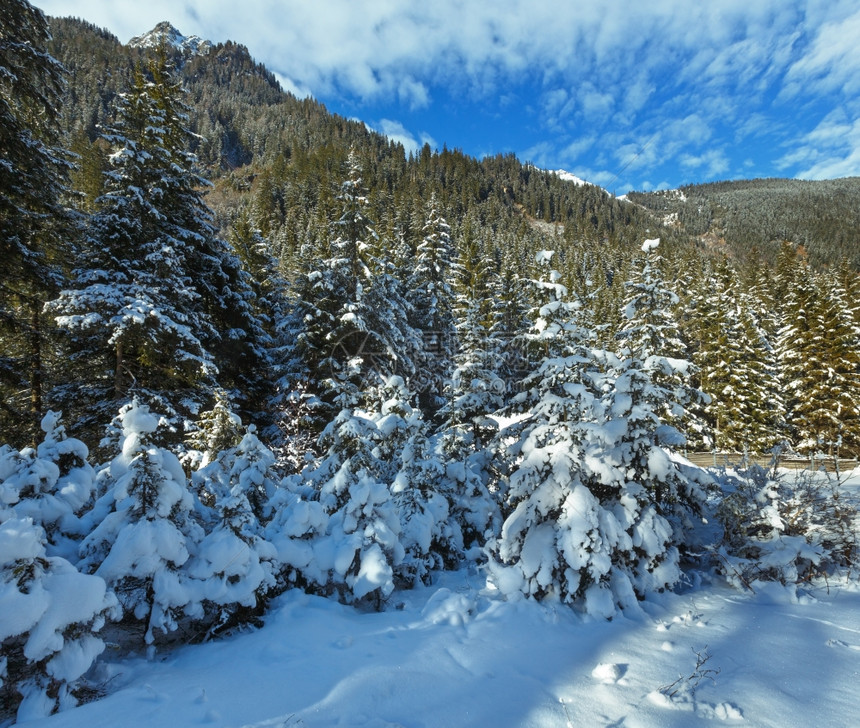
x=430, y=539
x=356, y=556
x=430, y=300
x=651, y=392
x=558, y=539
x=49, y=616
x=141, y=544
x=588, y=479
x=233, y=567
x=473, y=392
x=52, y=484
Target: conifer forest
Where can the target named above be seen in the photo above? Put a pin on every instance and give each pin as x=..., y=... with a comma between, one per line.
x=248, y=346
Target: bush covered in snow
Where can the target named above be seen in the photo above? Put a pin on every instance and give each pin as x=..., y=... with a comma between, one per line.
x=50, y=615
x=788, y=527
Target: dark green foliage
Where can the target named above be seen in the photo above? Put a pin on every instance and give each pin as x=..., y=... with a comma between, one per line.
x=822, y=217
x=34, y=222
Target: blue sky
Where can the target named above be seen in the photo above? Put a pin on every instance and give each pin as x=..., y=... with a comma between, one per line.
x=625, y=94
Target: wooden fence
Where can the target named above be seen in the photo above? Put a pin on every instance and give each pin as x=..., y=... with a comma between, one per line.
x=725, y=459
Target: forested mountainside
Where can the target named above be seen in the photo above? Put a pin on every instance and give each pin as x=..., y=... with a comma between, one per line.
x=276, y=169
x=752, y=218
x=248, y=346
x=284, y=156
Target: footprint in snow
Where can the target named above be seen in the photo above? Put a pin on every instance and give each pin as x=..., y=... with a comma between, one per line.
x=840, y=643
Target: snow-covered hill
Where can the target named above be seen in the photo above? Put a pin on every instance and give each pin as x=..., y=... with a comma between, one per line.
x=568, y=177
x=164, y=32
x=578, y=181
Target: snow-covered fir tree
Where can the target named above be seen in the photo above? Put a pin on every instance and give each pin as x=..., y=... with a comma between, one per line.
x=473, y=392
x=415, y=475
x=216, y=430
x=431, y=300
x=559, y=539
x=53, y=484
x=819, y=360
x=648, y=396
x=363, y=528
x=348, y=334
x=253, y=475
x=737, y=367
x=140, y=546
x=432, y=540
x=50, y=616
x=650, y=329
x=234, y=568
x=132, y=313
x=596, y=508
x=158, y=304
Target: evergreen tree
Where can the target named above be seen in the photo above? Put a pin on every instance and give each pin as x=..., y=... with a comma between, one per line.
x=217, y=430
x=800, y=361
x=737, y=367
x=647, y=398
x=475, y=389
x=431, y=301
x=348, y=333
x=141, y=545
x=827, y=413
x=416, y=475
x=268, y=298
x=558, y=537
x=159, y=305
x=234, y=567
x=133, y=315
x=52, y=639
x=34, y=223
x=53, y=483
x=363, y=526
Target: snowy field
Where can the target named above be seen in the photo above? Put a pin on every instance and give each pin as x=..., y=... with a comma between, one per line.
x=455, y=654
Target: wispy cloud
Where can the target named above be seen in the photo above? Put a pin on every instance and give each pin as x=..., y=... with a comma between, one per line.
x=831, y=61
x=712, y=163
x=830, y=150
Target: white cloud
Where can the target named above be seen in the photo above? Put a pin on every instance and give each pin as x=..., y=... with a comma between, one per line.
x=830, y=150
x=295, y=89
x=396, y=132
x=712, y=162
x=832, y=61
x=368, y=47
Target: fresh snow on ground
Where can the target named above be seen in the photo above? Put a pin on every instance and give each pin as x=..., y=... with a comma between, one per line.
x=455, y=654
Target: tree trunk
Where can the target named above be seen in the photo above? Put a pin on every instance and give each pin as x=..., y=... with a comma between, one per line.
x=35, y=336
x=118, y=388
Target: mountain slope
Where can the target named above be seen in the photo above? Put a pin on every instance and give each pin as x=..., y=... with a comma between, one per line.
x=283, y=157
x=823, y=217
